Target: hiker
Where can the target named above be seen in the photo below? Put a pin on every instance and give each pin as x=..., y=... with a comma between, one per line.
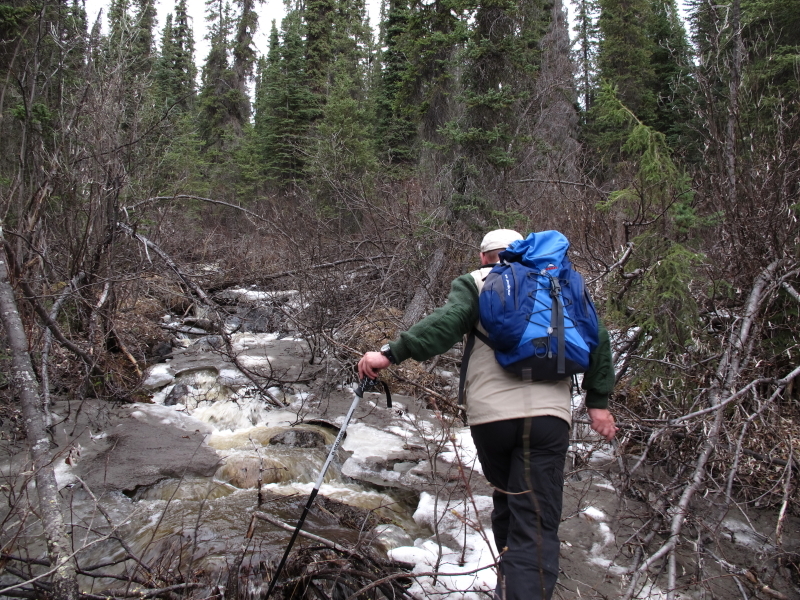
x=520, y=428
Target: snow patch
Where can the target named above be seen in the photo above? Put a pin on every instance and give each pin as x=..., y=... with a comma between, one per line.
x=470, y=574
x=158, y=376
x=590, y=513
x=365, y=442
x=462, y=447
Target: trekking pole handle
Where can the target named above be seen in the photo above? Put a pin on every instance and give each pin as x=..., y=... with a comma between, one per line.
x=365, y=385
x=368, y=384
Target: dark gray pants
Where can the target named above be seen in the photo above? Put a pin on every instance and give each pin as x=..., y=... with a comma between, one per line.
x=525, y=523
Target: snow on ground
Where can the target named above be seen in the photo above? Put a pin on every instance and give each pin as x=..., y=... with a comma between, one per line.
x=258, y=297
x=590, y=513
x=461, y=446
x=464, y=574
x=597, y=452
x=743, y=534
x=158, y=375
x=365, y=441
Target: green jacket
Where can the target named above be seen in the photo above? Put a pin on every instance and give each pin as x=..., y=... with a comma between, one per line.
x=448, y=324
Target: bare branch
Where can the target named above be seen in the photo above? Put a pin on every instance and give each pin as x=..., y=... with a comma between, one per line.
x=170, y=263
x=621, y=262
x=305, y=534
x=560, y=182
x=435, y=574
x=147, y=593
x=192, y=197
x=792, y=292
x=728, y=369
x=48, y=339
x=230, y=283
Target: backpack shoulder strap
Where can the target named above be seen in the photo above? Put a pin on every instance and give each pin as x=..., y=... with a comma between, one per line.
x=468, y=346
x=479, y=275
x=462, y=373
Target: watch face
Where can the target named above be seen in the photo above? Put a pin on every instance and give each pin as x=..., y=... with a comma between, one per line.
x=387, y=352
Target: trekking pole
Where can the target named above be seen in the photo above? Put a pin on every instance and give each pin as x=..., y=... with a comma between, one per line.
x=365, y=385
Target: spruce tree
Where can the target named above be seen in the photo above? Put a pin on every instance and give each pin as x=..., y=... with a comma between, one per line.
x=285, y=105
x=586, y=38
x=433, y=33
x=163, y=68
x=344, y=152
x=671, y=64
x=625, y=51
x=175, y=71
x=504, y=98
x=319, y=17
x=396, y=123
x=219, y=101
x=119, y=25
x=490, y=88
x=73, y=38
x=644, y=54
x=771, y=32
x=184, y=65
x=143, y=45
x=343, y=138
x=244, y=56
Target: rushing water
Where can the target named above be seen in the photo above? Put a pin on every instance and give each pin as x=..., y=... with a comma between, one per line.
x=197, y=525
x=269, y=460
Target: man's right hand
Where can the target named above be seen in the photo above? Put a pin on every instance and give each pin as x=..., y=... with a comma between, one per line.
x=371, y=364
x=603, y=422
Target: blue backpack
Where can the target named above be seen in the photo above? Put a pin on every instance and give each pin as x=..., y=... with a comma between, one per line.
x=541, y=321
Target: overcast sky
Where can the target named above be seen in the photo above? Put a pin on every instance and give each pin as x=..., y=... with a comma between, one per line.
x=267, y=10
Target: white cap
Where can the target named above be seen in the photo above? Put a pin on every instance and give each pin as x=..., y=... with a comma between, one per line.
x=499, y=239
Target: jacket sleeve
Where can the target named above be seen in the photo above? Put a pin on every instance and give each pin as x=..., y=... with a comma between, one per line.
x=599, y=380
x=444, y=327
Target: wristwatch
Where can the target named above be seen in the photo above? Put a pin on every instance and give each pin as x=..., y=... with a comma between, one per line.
x=387, y=352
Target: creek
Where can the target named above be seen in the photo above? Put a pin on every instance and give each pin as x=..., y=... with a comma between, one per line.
x=233, y=426
x=178, y=476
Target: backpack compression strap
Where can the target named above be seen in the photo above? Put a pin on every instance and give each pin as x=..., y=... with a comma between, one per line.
x=557, y=323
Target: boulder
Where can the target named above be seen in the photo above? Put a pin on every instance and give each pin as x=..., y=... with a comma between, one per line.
x=299, y=438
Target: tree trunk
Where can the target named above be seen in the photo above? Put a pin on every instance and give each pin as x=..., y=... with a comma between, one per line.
x=733, y=105
x=26, y=387
x=416, y=308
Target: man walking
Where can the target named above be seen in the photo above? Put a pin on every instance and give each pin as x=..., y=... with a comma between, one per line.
x=520, y=428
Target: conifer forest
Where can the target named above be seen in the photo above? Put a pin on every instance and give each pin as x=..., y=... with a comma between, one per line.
x=359, y=164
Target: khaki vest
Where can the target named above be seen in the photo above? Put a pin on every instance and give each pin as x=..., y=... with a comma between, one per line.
x=493, y=394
